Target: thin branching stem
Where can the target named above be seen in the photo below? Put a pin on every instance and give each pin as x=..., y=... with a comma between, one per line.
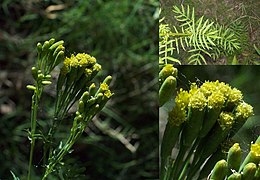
x=35, y=103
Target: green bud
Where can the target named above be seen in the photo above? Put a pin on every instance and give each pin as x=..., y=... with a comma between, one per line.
x=167, y=70
x=107, y=80
x=220, y=170
x=99, y=97
x=58, y=49
x=55, y=45
x=39, y=48
x=91, y=89
x=51, y=41
x=249, y=171
x=34, y=73
x=81, y=107
x=48, y=77
x=85, y=96
x=31, y=87
x=78, y=118
x=46, y=82
x=77, y=113
x=167, y=90
x=40, y=76
x=46, y=45
x=235, y=176
x=58, y=58
x=234, y=157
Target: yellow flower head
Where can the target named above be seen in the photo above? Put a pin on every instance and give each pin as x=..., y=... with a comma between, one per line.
x=235, y=96
x=224, y=89
x=108, y=94
x=198, y=101
x=244, y=111
x=169, y=70
x=105, y=90
x=104, y=86
x=255, y=151
x=207, y=88
x=182, y=99
x=177, y=116
x=226, y=120
x=193, y=89
x=216, y=100
x=97, y=67
x=81, y=60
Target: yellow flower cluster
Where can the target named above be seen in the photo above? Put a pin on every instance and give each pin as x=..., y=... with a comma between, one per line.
x=255, y=151
x=105, y=90
x=82, y=61
x=211, y=95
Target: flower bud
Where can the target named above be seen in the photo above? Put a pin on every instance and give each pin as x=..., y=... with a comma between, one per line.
x=46, y=45
x=40, y=76
x=58, y=49
x=249, y=171
x=219, y=171
x=81, y=107
x=55, y=45
x=31, y=87
x=234, y=157
x=85, y=96
x=39, y=48
x=58, y=58
x=34, y=73
x=167, y=90
x=91, y=89
x=51, y=41
x=48, y=77
x=167, y=70
x=107, y=80
x=46, y=82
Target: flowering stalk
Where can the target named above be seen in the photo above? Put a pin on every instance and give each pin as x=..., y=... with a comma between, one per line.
x=74, y=83
x=49, y=55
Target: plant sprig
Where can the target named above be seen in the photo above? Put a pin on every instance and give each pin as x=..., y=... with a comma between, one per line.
x=74, y=83
x=199, y=37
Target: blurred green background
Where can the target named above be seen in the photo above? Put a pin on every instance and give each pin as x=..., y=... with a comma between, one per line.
x=244, y=78
x=225, y=12
x=122, y=142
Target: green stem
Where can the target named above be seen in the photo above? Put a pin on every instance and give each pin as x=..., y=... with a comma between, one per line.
x=183, y=166
x=75, y=133
x=179, y=159
x=35, y=102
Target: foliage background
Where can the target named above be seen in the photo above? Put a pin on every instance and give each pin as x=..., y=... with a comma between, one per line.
x=224, y=12
x=123, y=36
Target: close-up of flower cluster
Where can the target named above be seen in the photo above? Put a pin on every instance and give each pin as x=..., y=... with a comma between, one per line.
x=202, y=118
